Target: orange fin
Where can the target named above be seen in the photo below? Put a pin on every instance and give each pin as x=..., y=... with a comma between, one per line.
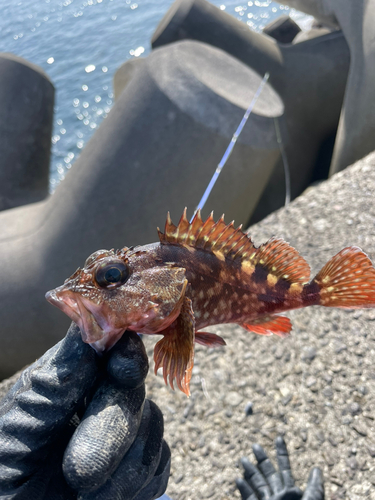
x=209, y=339
x=175, y=351
x=225, y=241
x=279, y=325
x=218, y=238
x=347, y=280
x=283, y=261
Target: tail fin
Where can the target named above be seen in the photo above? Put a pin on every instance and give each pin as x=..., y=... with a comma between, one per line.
x=347, y=280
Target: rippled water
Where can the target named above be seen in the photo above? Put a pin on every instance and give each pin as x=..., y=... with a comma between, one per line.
x=80, y=44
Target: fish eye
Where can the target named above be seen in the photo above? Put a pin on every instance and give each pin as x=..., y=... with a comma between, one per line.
x=111, y=274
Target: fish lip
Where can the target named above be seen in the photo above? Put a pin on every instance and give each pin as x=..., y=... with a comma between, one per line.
x=59, y=299
x=72, y=305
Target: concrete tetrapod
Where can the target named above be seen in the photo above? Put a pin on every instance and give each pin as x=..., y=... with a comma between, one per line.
x=26, y=103
x=125, y=73
x=283, y=29
x=310, y=78
x=356, y=131
x=156, y=151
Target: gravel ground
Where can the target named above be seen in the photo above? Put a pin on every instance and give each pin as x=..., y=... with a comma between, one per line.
x=315, y=388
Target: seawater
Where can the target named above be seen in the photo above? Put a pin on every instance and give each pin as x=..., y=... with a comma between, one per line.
x=81, y=43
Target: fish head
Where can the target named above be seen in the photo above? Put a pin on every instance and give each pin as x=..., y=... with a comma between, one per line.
x=116, y=291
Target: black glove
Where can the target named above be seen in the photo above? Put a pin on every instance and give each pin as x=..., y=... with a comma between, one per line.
x=264, y=482
x=76, y=426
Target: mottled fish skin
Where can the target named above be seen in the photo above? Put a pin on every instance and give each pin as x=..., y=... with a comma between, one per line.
x=200, y=274
x=220, y=291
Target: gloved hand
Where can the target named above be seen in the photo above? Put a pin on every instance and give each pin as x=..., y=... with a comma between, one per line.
x=76, y=426
x=264, y=482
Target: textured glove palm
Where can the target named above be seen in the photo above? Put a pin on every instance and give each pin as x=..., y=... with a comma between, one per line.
x=78, y=427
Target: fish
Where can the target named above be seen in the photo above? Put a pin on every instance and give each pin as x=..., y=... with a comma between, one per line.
x=203, y=273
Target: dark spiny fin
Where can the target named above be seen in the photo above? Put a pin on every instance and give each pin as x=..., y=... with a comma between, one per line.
x=209, y=339
x=279, y=260
x=223, y=240
x=347, y=280
x=175, y=351
x=279, y=325
x=170, y=233
x=282, y=261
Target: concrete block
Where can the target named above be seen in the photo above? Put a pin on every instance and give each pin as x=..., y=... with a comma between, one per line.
x=283, y=29
x=310, y=77
x=125, y=73
x=26, y=103
x=356, y=130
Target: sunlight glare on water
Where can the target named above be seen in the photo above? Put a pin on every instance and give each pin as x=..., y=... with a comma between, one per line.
x=81, y=43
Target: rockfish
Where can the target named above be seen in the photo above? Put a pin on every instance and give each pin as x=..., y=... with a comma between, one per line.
x=200, y=274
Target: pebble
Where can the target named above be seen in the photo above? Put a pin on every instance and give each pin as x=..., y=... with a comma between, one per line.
x=249, y=408
x=233, y=398
x=329, y=458
x=328, y=392
x=363, y=390
x=360, y=427
x=355, y=409
x=287, y=399
x=308, y=354
x=332, y=440
x=336, y=368
x=340, y=348
x=352, y=463
x=320, y=436
x=311, y=381
x=266, y=360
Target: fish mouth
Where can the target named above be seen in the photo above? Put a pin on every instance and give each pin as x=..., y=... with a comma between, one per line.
x=94, y=328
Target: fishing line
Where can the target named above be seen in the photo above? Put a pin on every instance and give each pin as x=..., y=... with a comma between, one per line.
x=231, y=145
x=284, y=159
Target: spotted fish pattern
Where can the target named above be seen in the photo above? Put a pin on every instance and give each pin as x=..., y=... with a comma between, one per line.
x=200, y=274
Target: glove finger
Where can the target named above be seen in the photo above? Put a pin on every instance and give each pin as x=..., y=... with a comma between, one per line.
x=315, y=485
x=247, y=493
x=45, y=483
x=139, y=465
x=158, y=484
x=128, y=362
x=284, y=464
x=106, y=432
x=267, y=469
x=256, y=480
x=40, y=405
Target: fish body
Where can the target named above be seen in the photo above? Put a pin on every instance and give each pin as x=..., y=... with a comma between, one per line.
x=200, y=274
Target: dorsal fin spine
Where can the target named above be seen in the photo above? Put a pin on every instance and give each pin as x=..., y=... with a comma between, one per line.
x=183, y=228
x=226, y=242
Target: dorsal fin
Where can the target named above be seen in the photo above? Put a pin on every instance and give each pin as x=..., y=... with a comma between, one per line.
x=224, y=240
x=283, y=261
x=227, y=242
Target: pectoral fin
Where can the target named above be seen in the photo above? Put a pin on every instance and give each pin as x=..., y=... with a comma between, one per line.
x=279, y=325
x=175, y=351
